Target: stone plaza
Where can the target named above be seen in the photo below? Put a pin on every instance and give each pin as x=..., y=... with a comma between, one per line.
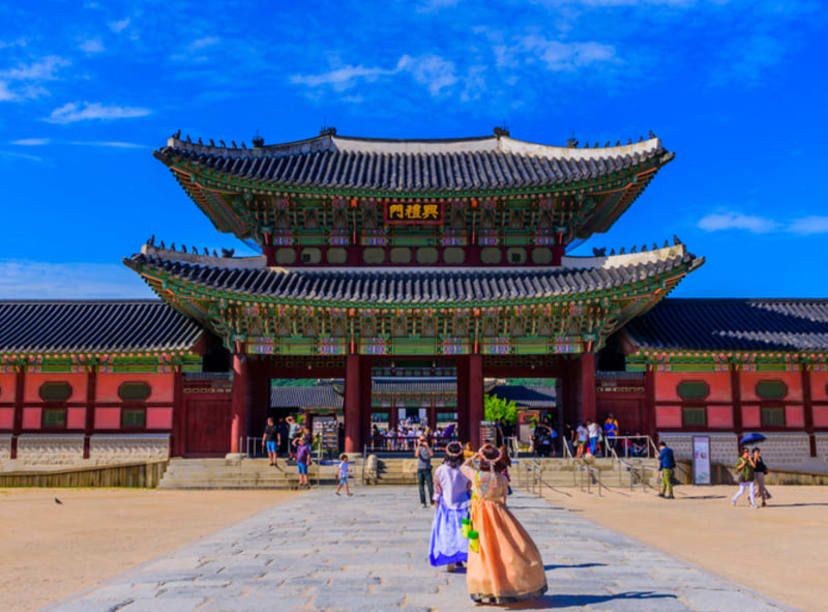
x=369, y=552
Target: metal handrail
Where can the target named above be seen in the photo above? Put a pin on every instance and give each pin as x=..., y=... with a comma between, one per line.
x=534, y=466
x=364, y=458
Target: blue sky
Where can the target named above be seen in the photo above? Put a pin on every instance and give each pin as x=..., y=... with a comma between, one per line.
x=736, y=89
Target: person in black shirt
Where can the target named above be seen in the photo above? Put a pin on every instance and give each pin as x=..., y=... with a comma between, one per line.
x=270, y=438
x=759, y=473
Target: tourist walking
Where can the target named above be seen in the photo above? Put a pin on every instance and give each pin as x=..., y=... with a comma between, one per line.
x=342, y=471
x=452, y=495
x=610, y=432
x=666, y=465
x=581, y=437
x=271, y=440
x=423, y=453
x=759, y=473
x=504, y=564
x=745, y=468
x=302, y=460
x=594, y=433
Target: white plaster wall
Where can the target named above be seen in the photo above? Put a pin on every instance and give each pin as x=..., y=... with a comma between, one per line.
x=107, y=449
x=50, y=449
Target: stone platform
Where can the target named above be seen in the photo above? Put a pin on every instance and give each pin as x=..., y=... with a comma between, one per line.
x=369, y=552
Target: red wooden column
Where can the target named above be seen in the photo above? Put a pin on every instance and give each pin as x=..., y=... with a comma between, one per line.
x=353, y=442
x=475, y=398
x=808, y=407
x=179, y=423
x=238, y=424
x=736, y=391
x=463, y=431
x=586, y=380
x=365, y=399
x=17, y=423
x=650, y=401
x=268, y=249
x=91, y=379
x=432, y=416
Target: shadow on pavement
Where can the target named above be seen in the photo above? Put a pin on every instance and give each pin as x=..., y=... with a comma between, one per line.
x=561, y=600
x=573, y=566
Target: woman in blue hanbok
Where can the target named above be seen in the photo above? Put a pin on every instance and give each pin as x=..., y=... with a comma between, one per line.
x=451, y=496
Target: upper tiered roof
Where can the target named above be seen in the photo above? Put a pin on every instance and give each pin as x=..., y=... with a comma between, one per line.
x=494, y=162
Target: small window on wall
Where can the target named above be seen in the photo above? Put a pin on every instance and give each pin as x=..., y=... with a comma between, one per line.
x=773, y=416
x=55, y=391
x=693, y=390
x=53, y=418
x=771, y=389
x=134, y=391
x=694, y=417
x=132, y=418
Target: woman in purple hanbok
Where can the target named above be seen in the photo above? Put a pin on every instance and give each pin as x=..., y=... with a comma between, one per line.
x=451, y=496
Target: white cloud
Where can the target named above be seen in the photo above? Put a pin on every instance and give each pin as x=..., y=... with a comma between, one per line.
x=341, y=78
x=732, y=220
x=22, y=279
x=85, y=111
x=6, y=94
x=16, y=155
x=92, y=45
x=44, y=69
x=31, y=142
x=558, y=56
x=432, y=71
x=118, y=26
x=114, y=144
x=201, y=43
x=809, y=225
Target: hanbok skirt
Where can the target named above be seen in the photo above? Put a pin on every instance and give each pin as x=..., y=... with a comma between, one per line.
x=508, y=567
x=448, y=545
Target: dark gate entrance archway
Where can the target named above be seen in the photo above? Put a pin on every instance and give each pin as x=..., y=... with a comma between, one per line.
x=252, y=376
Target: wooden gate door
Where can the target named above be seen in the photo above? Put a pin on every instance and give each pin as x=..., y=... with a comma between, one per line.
x=208, y=427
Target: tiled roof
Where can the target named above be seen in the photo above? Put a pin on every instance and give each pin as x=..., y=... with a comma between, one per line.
x=531, y=396
x=322, y=395
x=414, y=385
x=733, y=324
x=435, y=285
x=34, y=326
x=489, y=162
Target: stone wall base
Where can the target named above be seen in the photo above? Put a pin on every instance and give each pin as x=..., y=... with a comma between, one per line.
x=49, y=449
x=107, y=449
x=723, y=446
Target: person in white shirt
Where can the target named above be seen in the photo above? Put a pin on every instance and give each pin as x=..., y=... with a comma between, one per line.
x=594, y=433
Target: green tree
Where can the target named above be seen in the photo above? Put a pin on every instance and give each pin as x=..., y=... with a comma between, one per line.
x=495, y=408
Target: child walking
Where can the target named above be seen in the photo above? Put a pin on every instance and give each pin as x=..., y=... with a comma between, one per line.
x=451, y=495
x=504, y=566
x=302, y=460
x=343, y=475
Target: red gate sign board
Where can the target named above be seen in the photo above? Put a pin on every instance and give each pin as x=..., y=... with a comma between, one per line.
x=410, y=213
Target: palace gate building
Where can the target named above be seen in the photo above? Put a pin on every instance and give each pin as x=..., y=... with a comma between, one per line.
x=377, y=256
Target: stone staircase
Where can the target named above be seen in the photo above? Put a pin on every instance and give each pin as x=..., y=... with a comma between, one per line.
x=243, y=474
x=257, y=474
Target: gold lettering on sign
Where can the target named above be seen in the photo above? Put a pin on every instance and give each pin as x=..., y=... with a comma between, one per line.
x=413, y=212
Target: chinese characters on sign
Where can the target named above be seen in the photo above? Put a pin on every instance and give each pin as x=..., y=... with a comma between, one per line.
x=413, y=212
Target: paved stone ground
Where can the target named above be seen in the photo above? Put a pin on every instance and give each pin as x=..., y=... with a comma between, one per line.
x=369, y=552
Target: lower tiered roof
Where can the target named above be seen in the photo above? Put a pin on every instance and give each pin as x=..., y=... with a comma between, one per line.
x=742, y=324
x=388, y=286
x=94, y=326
